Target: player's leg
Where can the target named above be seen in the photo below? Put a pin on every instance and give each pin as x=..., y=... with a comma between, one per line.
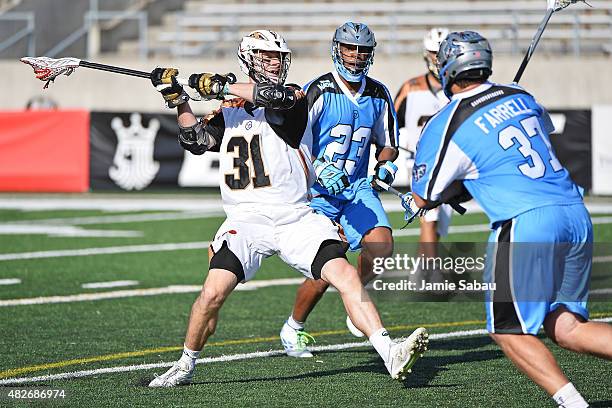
x=432, y=226
x=376, y=243
x=567, y=324
x=320, y=254
x=306, y=298
x=533, y=358
x=399, y=358
x=202, y=323
x=231, y=254
x=205, y=310
x=523, y=265
x=367, y=227
x=571, y=331
x=308, y=294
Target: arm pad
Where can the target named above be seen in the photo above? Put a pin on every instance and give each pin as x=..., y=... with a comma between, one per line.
x=195, y=138
x=267, y=95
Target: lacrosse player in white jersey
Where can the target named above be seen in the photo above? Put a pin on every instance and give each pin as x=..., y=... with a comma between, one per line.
x=266, y=172
x=416, y=102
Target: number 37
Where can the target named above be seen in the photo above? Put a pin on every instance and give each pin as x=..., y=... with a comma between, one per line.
x=531, y=127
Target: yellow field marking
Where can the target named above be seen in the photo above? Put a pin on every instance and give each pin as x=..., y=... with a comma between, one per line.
x=118, y=356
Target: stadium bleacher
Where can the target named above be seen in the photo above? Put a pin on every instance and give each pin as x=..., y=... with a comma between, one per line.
x=213, y=29
x=198, y=28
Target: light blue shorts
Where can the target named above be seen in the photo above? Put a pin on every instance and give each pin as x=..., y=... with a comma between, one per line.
x=538, y=261
x=357, y=216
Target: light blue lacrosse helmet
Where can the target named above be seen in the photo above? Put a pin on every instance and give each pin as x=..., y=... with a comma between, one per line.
x=353, y=34
x=464, y=55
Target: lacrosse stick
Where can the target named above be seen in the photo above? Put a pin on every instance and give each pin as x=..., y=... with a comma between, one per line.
x=47, y=69
x=552, y=7
x=411, y=211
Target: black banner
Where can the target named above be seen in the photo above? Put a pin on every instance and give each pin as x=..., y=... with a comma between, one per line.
x=133, y=151
x=572, y=143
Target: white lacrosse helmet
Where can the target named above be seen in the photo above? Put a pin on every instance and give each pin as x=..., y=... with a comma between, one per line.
x=252, y=64
x=431, y=44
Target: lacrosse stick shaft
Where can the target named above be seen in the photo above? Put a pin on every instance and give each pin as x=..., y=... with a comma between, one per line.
x=534, y=44
x=124, y=71
x=388, y=188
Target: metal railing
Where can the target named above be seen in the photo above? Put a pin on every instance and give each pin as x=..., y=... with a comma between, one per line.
x=94, y=16
x=27, y=31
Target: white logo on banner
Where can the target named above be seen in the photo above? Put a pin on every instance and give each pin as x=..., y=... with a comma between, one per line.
x=133, y=166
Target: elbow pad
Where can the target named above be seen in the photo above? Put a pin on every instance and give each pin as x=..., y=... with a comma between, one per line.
x=273, y=96
x=196, y=138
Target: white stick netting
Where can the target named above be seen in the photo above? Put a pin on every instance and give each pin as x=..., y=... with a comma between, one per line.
x=47, y=69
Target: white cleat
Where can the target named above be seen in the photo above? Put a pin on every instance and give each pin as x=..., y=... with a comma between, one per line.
x=402, y=356
x=179, y=374
x=353, y=329
x=295, y=342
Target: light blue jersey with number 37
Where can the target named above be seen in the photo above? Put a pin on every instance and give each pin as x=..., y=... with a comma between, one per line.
x=496, y=139
x=345, y=125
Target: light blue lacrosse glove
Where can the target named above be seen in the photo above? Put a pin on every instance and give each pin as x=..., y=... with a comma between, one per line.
x=385, y=172
x=411, y=210
x=329, y=176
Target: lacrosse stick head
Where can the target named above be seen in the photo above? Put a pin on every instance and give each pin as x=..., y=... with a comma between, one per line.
x=561, y=4
x=47, y=69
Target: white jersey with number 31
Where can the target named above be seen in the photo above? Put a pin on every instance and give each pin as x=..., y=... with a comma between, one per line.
x=259, y=167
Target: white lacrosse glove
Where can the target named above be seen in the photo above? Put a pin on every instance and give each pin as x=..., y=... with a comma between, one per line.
x=411, y=210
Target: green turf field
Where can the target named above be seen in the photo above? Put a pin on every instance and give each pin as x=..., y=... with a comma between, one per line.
x=58, y=334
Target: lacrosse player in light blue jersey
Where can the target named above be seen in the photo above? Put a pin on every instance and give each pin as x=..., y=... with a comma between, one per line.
x=348, y=113
x=493, y=140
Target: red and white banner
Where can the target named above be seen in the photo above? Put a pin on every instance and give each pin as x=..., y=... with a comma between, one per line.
x=44, y=151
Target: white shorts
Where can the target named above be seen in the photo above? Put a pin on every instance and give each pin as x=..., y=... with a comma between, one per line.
x=442, y=215
x=294, y=233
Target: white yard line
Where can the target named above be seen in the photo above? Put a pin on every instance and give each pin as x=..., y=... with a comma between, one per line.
x=173, y=289
x=123, y=218
x=117, y=294
x=221, y=359
x=126, y=203
x=105, y=250
x=109, y=284
x=204, y=244
x=182, y=203
x=10, y=281
x=64, y=231
x=462, y=229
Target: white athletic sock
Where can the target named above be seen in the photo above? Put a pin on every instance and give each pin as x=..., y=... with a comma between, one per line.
x=294, y=324
x=189, y=356
x=382, y=343
x=569, y=397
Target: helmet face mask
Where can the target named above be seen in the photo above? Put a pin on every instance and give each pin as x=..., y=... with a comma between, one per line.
x=464, y=55
x=353, y=51
x=270, y=66
x=431, y=59
x=356, y=59
x=265, y=57
x=431, y=45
